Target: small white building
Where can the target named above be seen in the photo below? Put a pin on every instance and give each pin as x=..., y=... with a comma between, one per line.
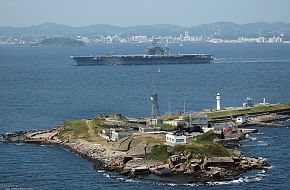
x=175, y=139
x=241, y=119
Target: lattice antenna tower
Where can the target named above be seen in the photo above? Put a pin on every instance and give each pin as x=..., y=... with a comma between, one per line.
x=155, y=107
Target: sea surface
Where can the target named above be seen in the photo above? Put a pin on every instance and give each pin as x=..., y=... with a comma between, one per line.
x=40, y=87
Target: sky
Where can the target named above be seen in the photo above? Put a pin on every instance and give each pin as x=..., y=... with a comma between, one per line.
x=141, y=12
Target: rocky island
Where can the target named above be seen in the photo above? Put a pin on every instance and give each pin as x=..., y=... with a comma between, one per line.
x=197, y=146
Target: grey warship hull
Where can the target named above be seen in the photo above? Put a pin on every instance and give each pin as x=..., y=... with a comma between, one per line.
x=142, y=59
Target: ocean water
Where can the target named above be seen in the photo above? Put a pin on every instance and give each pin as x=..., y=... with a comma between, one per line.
x=41, y=87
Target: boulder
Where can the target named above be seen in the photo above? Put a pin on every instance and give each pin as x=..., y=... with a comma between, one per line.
x=179, y=168
x=162, y=172
x=141, y=170
x=216, y=172
x=194, y=167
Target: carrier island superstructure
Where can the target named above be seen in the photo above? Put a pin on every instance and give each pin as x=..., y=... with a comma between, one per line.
x=154, y=56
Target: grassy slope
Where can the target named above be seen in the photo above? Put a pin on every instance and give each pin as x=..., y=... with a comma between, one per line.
x=198, y=148
x=232, y=112
x=241, y=111
x=78, y=129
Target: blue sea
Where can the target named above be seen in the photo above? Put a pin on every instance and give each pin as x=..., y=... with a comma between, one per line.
x=40, y=87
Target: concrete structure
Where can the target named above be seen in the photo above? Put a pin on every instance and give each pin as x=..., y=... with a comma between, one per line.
x=218, y=101
x=113, y=123
x=222, y=162
x=219, y=126
x=198, y=120
x=241, y=119
x=119, y=133
x=264, y=102
x=155, y=121
x=248, y=103
x=115, y=134
x=175, y=122
x=148, y=129
x=175, y=139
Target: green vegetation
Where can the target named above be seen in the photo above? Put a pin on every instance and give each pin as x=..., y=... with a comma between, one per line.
x=166, y=127
x=79, y=129
x=150, y=138
x=232, y=112
x=159, y=152
x=195, y=151
x=171, y=116
x=60, y=41
x=74, y=129
x=98, y=122
x=199, y=148
x=206, y=137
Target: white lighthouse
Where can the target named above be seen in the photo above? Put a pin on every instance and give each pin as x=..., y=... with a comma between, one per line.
x=218, y=101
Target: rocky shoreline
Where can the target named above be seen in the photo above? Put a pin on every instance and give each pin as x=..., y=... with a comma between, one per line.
x=130, y=156
x=209, y=169
x=195, y=170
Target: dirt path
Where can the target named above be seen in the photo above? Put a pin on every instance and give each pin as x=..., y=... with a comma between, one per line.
x=91, y=131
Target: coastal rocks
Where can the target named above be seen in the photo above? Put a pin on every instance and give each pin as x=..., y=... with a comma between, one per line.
x=223, y=162
x=267, y=117
x=141, y=166
x=92, y=151
x=15, y=137
x=141, y=170
x=253, y=163
x=162, y=171
x=195, y=167
x=136, y=162
x=176, y=159
x=179, y=168
x=128, y=156
x=117, y=163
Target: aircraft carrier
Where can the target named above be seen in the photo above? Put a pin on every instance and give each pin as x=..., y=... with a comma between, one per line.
x=154, y=56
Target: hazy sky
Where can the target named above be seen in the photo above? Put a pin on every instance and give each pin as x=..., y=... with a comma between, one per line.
x=139, y=12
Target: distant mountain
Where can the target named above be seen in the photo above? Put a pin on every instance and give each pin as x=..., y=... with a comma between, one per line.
x=220, y=30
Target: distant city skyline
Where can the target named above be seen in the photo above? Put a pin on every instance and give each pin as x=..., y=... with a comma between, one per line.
x=135, y=12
